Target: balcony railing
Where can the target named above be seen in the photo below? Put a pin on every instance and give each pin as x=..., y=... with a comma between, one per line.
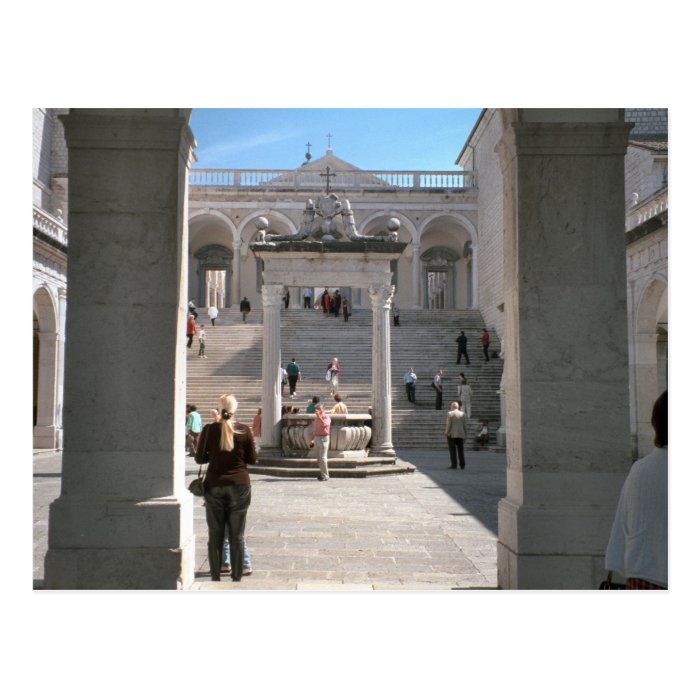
x=344, y=180
x=647, y=209
x=50, y=226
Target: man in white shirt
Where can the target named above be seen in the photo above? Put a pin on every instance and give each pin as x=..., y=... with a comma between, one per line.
x=410, y=381
x=213, y=313
x=437, y=385
x=308, y=295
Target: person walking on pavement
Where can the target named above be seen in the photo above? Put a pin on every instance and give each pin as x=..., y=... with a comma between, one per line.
x=293, y=375
x=191, y=330
x=464, y=395
x=462, y=348
x=485, y=342
x=245, y=308
x=456, y=432
x=410, y=380
x=213, y=313
x=322, y=438
x=437, y=386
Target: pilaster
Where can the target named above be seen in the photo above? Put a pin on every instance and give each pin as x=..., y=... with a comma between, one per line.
x=272, y=295
x=124, y=517
x=565, y=379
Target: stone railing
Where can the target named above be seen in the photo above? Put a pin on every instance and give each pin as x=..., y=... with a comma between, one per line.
x=648, y=209
x=344, y=180
x=350, y=436
x=50, y=226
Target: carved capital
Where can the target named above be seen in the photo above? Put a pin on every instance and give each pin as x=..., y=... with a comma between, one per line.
x=381, y=295
x=272, y=295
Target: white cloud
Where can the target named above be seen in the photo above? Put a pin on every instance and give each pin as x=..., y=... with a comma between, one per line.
x=226, y=149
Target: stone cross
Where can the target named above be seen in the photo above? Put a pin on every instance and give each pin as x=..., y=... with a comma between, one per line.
x=328, y=177
x=328, y=135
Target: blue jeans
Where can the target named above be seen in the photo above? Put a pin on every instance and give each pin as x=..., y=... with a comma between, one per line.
x=227, y=507
x=247, y=563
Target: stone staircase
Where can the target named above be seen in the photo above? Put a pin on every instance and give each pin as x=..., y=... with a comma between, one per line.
x=425, y=340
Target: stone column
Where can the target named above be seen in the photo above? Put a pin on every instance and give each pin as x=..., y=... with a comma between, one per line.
x=45, y=428
x=295, y=298
x=237, y=273
x=124, y=517
x=381, y=295
x=416, y=277
x=61, y=366
x=271, y=390
x=566, y=376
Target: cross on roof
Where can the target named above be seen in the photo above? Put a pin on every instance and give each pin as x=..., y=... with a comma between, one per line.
x=328, y=135
x=328, y=175
x=308, y=146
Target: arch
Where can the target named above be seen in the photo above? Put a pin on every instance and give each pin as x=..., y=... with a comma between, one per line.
x=406, y=223
x=219, y=216
x=457, y=218
x=439, y=277
x=649, y=305
x=46, y=309
x=45, y=368
x=269, y=214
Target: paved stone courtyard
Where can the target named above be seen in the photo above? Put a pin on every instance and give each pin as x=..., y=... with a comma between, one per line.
x=435, y=528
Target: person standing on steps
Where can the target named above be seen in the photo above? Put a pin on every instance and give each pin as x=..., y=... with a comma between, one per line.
x=257, y=425
x=326, y=301
x=333, y=375
x=202, y=339
x=322, y=438
x=462, y=347
x=311, y=408
x=286, y=299
x=245, y=308
x=213, y=313
x=191, y=330
x=395, y=313
x=293, y=375
x=464, y=395
x=193, y=427
x=437, y=386
x=410, y=380
x=485, y=342
x=346, y=310
x=193, y=308
x=482, y=435
x=456, y=432
x=308, y=294
x=339, y=406
x=283, y=380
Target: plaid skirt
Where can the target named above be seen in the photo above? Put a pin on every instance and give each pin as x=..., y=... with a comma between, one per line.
x=639, y=584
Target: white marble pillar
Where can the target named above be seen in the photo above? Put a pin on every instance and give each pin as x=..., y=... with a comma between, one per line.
x=124, y=517
x=45, y=428
x=566, y=377
x=271, y=389
x=61, y=366
x=380, y=296
x=417, y=286
x=236, y=273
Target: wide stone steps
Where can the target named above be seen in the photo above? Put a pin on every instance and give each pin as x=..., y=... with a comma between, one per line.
x=425, y=340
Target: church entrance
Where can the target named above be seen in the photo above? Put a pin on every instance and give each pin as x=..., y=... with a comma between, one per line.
x=439, y=278
x=214, y=274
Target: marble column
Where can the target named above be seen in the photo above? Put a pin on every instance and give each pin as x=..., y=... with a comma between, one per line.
x=60, y=369
x=380, y=296
x=416, y=277
x=271, y=389
x=45, y=428
x=124, y=518
x=236, y=273
x=566, y=381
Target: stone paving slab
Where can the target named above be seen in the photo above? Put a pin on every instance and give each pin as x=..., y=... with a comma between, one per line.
x=432, y=529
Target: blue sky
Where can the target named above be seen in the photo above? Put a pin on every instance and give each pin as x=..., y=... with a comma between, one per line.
x=371, y=139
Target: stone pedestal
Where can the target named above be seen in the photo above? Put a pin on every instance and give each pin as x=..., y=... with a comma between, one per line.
x=566, y=377
x=124, y=517
x=381, y=295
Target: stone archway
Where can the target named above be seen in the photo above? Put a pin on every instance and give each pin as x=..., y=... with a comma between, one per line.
x=439, y=277
x=650, y=363
x=212, y=259
x=45, y=363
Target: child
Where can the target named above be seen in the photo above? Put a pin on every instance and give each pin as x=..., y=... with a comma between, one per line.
x=482, y=436
x=202, y=338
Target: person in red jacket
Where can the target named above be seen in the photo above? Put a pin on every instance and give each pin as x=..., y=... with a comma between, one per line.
x=191, y=330
x=485, y=340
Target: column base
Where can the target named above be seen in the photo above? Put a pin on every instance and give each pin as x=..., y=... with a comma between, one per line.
x=91, y=544
x=383, y=451
x=46, y=437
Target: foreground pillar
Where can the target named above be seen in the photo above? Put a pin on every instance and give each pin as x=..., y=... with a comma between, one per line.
x=380, y=295
x=123, y=519
x=271, y=388
x=566, y=376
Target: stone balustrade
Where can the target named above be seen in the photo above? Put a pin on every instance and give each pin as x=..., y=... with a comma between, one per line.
x=50, y=226
x=347, y=180
x=647, y=209
x=350, y=437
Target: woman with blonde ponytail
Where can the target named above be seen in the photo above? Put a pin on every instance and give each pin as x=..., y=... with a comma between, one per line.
x=229, y=448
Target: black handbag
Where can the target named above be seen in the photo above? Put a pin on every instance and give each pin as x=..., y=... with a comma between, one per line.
x=197, y=485
x=609, y=585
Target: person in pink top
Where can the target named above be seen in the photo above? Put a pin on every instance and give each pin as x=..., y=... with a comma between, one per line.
x=322, y=438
